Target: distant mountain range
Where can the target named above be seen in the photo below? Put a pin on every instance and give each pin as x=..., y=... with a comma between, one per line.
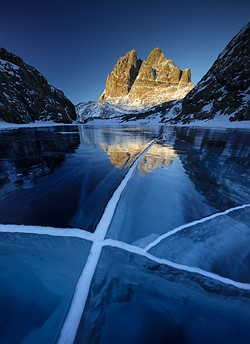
x=223, y=91
x=26, y=96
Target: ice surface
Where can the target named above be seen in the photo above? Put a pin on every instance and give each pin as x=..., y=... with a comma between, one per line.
x=220, y=245
x=187, y=175
x=57, y=180
x=159, y=201
x=135, y=300
x=158, y=239
x=189, y=287
x=37, y=282
x=72, y=320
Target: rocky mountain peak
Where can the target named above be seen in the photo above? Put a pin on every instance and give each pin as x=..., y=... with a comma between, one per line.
x=7, y=56
x=156, y=57
x=154, y=81
x=122, y=77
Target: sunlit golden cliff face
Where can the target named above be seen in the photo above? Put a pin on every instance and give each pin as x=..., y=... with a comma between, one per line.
x=136, y=83
x=124, y=155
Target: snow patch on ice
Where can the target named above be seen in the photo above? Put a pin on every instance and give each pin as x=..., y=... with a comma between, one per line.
x=36, y=124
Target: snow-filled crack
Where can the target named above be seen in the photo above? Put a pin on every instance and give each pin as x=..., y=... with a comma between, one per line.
x=71, y=323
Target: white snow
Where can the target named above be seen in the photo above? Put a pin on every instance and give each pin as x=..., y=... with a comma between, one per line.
x=6, y=66
x=220, y=121
x=36, y=124
x=207, y=107
x=65, y=232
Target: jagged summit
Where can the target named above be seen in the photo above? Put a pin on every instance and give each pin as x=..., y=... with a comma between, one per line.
x=149, y=82
x=122, y=77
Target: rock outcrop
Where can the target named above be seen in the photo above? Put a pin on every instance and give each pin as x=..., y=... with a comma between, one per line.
x=26, y=96
x=225, y=89
x=122, y=77
x=143, y=83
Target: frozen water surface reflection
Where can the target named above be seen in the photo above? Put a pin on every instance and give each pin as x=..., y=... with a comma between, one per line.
x=37, y=282
x=135, y=300
x=186, y=175
x=61, y=176
x=186, y=285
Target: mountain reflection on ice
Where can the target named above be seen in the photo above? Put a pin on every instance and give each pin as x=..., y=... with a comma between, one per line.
x=124, y=155
x=208, y=171
x=66, y=176
x=59, y=176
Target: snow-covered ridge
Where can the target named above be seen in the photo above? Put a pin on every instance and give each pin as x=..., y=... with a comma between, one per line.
x=87, y=111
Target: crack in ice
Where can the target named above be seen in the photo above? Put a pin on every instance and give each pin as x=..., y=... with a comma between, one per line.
x=78, y=303
x=73, y=318
x=191, y=224
x=52, y=231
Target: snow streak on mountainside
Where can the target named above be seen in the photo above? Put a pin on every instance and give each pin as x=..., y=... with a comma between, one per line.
x=26, y=96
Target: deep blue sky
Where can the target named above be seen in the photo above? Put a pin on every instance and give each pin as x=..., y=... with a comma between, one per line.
x=75, y=44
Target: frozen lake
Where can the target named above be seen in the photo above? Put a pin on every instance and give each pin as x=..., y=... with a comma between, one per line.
x=170, y=259
x=61, y=176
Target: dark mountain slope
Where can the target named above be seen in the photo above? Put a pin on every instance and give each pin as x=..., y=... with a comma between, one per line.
x=26, y=96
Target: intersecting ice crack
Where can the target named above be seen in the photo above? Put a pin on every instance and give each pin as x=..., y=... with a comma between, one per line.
x=70, y=326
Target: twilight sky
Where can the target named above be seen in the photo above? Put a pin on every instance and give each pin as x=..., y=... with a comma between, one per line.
x=75, y=44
